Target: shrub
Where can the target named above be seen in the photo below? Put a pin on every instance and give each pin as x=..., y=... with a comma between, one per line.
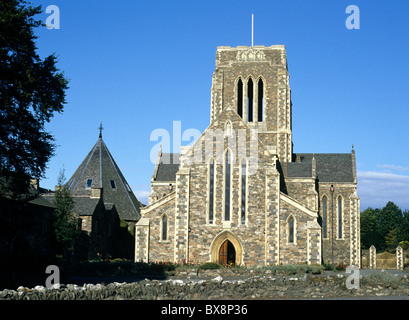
x=328, y=267
x=404, y=245
x=166, y=266
x=209, y=266
x=341, y=266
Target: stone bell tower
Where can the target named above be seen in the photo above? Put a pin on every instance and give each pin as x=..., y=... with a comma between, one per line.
x=254, y=81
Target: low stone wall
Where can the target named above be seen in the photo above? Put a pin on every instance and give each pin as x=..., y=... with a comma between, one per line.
x=256, y=287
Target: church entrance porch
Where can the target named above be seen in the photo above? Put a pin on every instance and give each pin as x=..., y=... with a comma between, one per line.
x=226, y=249
x=227, y=253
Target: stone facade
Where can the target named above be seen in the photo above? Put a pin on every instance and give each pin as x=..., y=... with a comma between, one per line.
x=239, y=194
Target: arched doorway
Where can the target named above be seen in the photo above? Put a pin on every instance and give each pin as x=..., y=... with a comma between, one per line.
x=227, y=253
x=226, y=249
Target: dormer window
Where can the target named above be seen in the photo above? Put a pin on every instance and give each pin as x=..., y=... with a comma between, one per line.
x=89, y=183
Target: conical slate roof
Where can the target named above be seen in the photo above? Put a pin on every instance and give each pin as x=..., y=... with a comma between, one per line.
x=99, y=170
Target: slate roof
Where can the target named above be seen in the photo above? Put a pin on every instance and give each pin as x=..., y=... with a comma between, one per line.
x=100, y=166
x=168, y=167
x=84, y=206
x=330, y=167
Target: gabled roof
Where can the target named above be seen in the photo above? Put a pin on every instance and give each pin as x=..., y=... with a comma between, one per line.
x=99, y=170
x=330, y=167
x=167, y=167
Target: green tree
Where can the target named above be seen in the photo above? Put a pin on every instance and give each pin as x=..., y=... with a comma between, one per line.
x=388, y=219
x=65, y=222
x=391, y=240
x=369, y=229
x=384, y=227
x=31, y=91
x=403, y=227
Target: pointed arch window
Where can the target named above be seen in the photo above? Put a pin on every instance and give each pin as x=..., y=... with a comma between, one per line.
x=250, y=100
x=240, y=98
x=340, y=217
x=291, y=227
x=164, y=227
x=211, y=191
x=227, y=186
x=243, y=191
x=324, y=217
x=260, y=100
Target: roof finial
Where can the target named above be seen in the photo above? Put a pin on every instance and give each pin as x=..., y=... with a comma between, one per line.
x=100, y=130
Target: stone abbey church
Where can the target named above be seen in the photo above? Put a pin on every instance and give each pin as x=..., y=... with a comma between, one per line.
x=239, y=194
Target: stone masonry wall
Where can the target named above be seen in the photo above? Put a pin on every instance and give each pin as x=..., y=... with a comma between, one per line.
x=267, y=286
x=299, y=250
x=348, y=246
x=159, y=250
x=251, y=235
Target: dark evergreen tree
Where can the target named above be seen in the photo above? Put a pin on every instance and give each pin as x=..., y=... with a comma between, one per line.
x=369, y=229
x=388, y=218
x=65, y=222
x=31, y=91
x=403, y=227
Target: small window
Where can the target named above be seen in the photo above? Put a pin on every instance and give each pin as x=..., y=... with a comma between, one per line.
x=243, y=192
x=291, y=230
x=211, y=191
x=89, y=183
x=324, y=217
x=227, y=189
x=164, y=228
x=113, y=185
x=340, y=218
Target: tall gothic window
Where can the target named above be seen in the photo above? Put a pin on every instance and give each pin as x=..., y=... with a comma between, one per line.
x=291, y=230
x=260, y=101
x=164, y=227
x=227, y=187
x=211, y=191
x=324, y=217
x=240, y=98
x=243, y=192
x=339, y=217
x=250, y=100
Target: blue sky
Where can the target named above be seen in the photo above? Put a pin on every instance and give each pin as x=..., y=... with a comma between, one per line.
x=137, y=66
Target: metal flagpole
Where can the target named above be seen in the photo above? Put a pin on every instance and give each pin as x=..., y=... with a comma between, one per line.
x=252, y=30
